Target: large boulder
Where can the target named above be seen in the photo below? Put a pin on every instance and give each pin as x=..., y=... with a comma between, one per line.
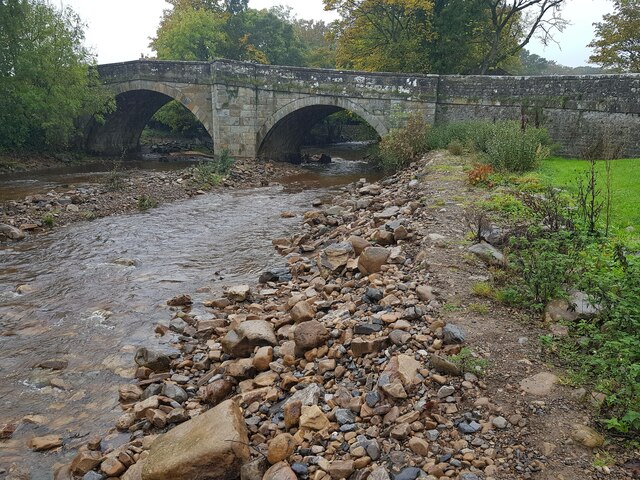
x=241, y=341
x=212, y=446
x=371, y=259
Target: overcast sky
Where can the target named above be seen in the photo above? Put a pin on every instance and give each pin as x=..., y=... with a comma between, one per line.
x=119, y=30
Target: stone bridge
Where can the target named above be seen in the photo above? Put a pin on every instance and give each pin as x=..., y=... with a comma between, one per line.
x=265, y=111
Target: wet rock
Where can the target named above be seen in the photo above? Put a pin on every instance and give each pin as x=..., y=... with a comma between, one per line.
x=372, y=259
x=84, y=462
x=335, y=256
x=374, y=294
x=154, y=361
x=54, y=364
x=281, y=448
x=540, y=384
x=180, y=301
x=212, y=446
x=488, y=253
x=452, y=334
x=241, y=341
x=112, y=467
x=238, y=293
x=10, y=233
x=7, y=430
x=586, y=436
x=309, y=335
x=275, y=274
x=302, y=312
x=41, y=444
x=409, y=473
x=313, y=418
x=280, y=471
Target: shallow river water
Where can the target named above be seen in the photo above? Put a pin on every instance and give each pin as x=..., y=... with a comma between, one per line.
x=79, y=304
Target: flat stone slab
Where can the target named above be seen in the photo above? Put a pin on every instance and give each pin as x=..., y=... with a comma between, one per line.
x=540, y=384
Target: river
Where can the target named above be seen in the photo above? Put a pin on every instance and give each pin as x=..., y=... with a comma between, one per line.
x=91, y=293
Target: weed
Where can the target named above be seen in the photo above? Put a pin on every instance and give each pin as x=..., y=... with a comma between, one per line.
x=451, y=307
x=211, y=172
x=116, y=178
x=468, y=361
x=514, y=149
x=456, y=147
x=479, y=175
x=145, y=203
x=479, y=308
x=483, y=289
x=603, y=459
x=48, y=220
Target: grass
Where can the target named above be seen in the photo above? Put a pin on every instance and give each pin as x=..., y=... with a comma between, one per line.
x=625, y=184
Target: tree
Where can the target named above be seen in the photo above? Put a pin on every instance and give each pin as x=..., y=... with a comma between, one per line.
x=318, y=41
x=441, y=36
x=617, y=42
x=46, y=79
x=382, y=35
x=514, y=23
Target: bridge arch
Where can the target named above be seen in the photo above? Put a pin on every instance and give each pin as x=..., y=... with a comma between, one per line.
x=281, y=136
x=136, y=102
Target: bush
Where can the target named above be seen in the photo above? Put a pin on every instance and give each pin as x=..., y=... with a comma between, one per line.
x=211, y=172
x=513, y=149
x=401, y=146
x=456, y=148
x=479, y=174
x=145, y=203
x=473, y=135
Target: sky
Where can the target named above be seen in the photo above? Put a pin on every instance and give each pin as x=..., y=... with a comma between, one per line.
x=119, y=30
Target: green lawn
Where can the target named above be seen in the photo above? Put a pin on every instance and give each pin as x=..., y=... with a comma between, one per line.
x=625, y=185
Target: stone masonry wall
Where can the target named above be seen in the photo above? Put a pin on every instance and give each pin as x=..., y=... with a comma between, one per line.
x=241, y=103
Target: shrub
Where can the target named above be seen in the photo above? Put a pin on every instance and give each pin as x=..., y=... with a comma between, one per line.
x=401, y=146
x=456, y=148
x=473, y=135
x=479, y=174
x=514, y=149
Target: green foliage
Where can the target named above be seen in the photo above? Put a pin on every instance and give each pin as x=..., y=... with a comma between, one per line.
x=115, y=178
x=48, y=220
x=617, y=43
x=456, y=148
x=473, y=134
x=146, y=202
x=469, y=362
x=483, y=289
x=211, y=172
x=514, y=149
x=46, y=79
x=402, y=145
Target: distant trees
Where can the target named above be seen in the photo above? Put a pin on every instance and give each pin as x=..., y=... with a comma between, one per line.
x=440, y=36
x=46, y=80
x=617, y=42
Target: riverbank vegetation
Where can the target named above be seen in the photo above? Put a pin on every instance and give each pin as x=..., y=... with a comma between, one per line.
x=47, y=83
x=570, y=233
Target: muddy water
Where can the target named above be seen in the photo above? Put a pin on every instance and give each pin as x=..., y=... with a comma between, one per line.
x=91, y=293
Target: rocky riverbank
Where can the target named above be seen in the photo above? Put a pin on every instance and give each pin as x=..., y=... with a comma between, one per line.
x=362, y=354
x=124, y=191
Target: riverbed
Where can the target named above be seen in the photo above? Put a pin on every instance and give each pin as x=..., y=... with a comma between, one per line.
x=89, y=294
